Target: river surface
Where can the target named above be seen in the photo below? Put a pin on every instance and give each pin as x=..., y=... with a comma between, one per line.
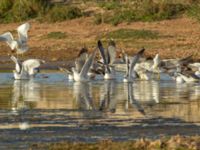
x=50, y=108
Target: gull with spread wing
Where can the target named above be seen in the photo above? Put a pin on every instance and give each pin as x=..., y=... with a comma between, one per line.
x=109, y=69
x=20, y=44
x=27, y=69
x=130, y=66
x=81, y=73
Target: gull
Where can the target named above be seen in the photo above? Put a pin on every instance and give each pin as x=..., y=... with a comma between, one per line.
x=19, y=44
x=27, y=69
x=109, y=69
x=196, y=65
x=130, y=66
x=188, y=77
x=80, y=71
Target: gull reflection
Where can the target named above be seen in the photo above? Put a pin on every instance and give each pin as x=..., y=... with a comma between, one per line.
x=107, y=96
x=83, y=96
x=24, y=91
x=130, y=99
x=147, y=91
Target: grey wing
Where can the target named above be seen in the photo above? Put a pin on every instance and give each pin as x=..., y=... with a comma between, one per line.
x=186, y=60
x=3, y=39
x=9, y=39
x=79, y=64
x=112, y=53
x=23, y=32
x=102, y=51
x=135, y=60
x=87, y=64
x=80, y=61
x=18, y=64
x=127, y=65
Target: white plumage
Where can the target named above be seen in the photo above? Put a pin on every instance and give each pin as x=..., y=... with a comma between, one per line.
x=26, y=69
x=19, y=44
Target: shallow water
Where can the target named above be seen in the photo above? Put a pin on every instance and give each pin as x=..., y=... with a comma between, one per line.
x=51, y=108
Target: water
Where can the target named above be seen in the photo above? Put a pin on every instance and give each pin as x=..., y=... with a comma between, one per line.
x=50, y=108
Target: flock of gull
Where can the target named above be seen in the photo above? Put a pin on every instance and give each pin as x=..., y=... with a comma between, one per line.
x=87, y=65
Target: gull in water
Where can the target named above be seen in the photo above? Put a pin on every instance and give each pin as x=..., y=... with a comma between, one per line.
x=130, y=66
x=27, y=69
x=187, y=77
x=108, y=58
x=197, y=66
x=80, y=71
x=19, y=44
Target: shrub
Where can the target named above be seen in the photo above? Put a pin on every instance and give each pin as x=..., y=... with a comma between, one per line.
x=20, y=10
x=110, y=5
x=194, y=11
x=5, y=5
x=146, y=10
x=61, y=13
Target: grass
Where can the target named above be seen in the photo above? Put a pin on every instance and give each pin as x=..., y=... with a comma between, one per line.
x=132, y=34
x=55, y=35
x=115, y=12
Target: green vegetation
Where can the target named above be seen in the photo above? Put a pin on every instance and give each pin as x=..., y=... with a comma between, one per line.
x=194, y=11
x=20, y=10
x=132, y=34
x=61, y=13
x=140, y=11
x=114, y=12
x=55, y=35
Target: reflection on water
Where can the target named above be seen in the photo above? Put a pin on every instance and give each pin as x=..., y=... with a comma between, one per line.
x=55, y=100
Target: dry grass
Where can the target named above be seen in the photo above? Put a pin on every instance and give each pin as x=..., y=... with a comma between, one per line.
x=173, y=143
x=177, y=38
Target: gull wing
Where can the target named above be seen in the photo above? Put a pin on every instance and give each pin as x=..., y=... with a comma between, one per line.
x=23, y=32
x=3, y=39
x=135, y=60
x=18, y=65
x=79, y=63
x=102, y=52
x=112, y=53
x=87, y=64
x=185, y=60
x=156, y=61
x=9, y=39
x=32, y=64
x=127, y=64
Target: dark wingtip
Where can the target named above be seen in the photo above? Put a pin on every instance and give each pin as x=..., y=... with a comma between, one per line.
x=141, y=51
x=99, y=43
